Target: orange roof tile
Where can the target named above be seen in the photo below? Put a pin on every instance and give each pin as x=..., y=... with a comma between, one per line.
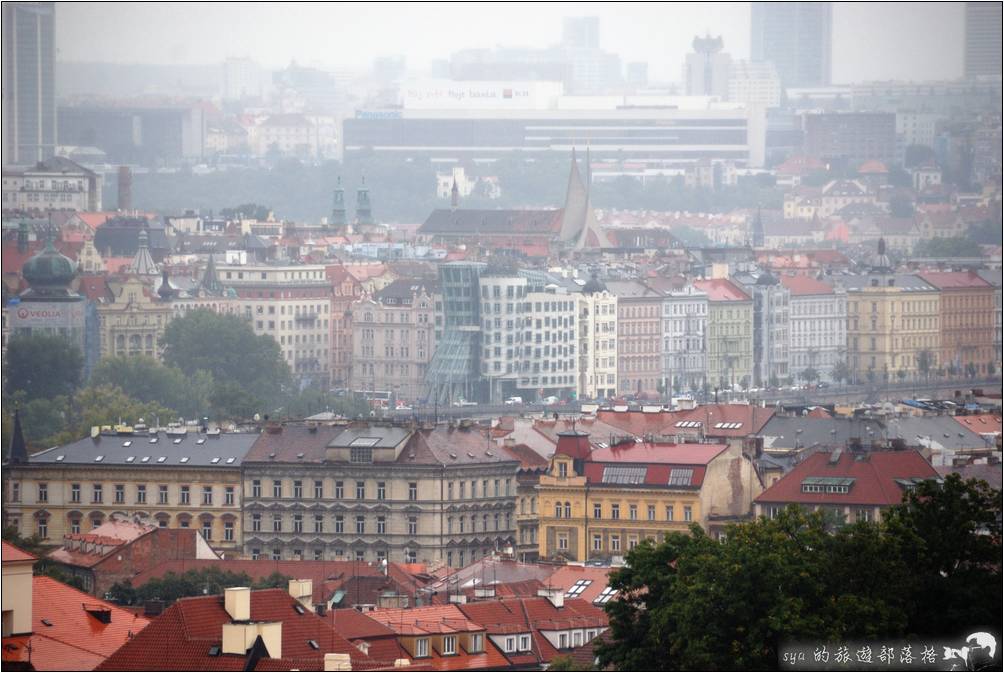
x=14, y=554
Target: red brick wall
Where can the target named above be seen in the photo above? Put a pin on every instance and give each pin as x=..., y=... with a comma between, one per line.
x=161, y=544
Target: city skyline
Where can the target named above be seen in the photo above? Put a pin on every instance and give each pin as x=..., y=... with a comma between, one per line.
x=926, y=45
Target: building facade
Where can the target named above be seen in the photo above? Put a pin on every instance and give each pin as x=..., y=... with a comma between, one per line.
x=982, y=51
x=730, y=333
x=639, y=337
x=796, y=37
x=967, y=321
x=53, y=184
x=371, y=492
x=684, y=340
x=394, y=338
x=855, y=137
x=597, y=341
x=818, y=326
x=173, y=479
x=29, y=75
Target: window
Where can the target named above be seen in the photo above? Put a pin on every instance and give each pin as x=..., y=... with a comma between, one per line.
x=276, y=554
x=43, y=494
x=524, y=643
x=381, y=525
x=207, y=495
x=563, y=641
x=651, y=512
x=597, y=511
x=207, y=529
x=862, y=514
x=339, y=524
x=74, y=525
x=412, y=490
x=255, y=554
x=318, y=490
x=449, y=645
x=228, y=495
x=74, y=493
x=557, y=510
x=339, y=490
x=413, y=525
x=298, y=489
x=360, y=490
x=97, y=494
x=563, y=541
x=681, y=476
x=162, y=494
x=669, y=512
x=510, y=644
x=119, y=493
x=633, y=512
x=360, y=525
x=422, y=647
x=185, y=497
x=615, y=543
x=256, y=523
x=318, y=523
x=256, y=488
x=615, y=511
x=277, y=523
x=276, y=488
x=688, y=514
x=579, y=586
x=382, y=490
x=43, y=527
x=477, y=640
x=141, y=494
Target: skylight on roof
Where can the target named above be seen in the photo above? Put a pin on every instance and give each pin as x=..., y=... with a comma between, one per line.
x=365, y=441
x=577, y=588
x=624, y=474
x=177, y=440
x=183, y=459
x=60, y=458
x=214, y=460
x=200, y=440
x=127, y=443
x=153, y=440
x=681, y=476
x=230, y=460
x=161, y=459
x=145, y=459
x=130, y=459
x=605, y=596
x=98, y=459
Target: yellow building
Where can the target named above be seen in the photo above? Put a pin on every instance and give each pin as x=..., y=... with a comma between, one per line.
x=601, y=502
x=893, y=326
x=171, y=479
x=132, y=319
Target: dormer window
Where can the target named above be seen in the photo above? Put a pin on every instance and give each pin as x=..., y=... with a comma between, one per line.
x=421, y=647
x=838, y=485
x=562, y=470
x=449, y=645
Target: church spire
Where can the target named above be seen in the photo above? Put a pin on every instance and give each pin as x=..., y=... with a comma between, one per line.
x=454, y=194
x=210, y=281
x=18, y=449
x=758, y=229
x=142, y=263
x=364, y=214
x=338, y=218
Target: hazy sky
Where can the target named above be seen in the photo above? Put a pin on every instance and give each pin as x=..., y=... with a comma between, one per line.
x=871, y=40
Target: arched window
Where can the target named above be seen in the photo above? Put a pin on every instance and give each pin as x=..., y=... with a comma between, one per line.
x=120, y=342
x=522, y=505
x=533, y=504
x=568, y=510
x=135, y=344
x=557, y=510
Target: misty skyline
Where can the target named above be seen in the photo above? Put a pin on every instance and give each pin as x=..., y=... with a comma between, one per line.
x=871, y=41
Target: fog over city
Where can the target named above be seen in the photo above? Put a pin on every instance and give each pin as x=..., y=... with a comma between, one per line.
x=872, y=40
x=502, y=336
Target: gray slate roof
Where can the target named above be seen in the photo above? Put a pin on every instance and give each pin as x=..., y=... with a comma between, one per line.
x=225, y=451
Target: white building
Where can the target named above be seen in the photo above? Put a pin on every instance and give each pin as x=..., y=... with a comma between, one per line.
x=684, y=343
x=54, y=184
x=754, y=83
x=597, y=341
x=528, y=336
x=817, y=325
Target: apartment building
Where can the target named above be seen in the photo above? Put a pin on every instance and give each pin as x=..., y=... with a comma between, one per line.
x=730, y=333
x=372, y=492
x=394, y=338
x=967, y=321
x=818, y=326
x=597, y=341
x=639, y=337
x=684, y=340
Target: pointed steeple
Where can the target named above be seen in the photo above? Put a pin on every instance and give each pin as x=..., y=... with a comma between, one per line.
x=454, y=195
x=18, y=453
x=573, y=216
x=364, y=215
x=142, y=263
x=338, y=218
x=210, y=281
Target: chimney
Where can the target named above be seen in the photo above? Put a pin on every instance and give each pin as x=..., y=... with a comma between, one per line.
x=556, y=596
x=337, y=661
x=303, y=592
x=573, y=444
x=402, y=663
x=509, y=442
x=238, y=638
x=237, y=601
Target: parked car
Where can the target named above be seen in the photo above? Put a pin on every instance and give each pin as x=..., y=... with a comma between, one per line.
x=516, y=399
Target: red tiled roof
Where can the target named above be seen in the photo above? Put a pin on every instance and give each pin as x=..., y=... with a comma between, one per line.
x=873, y=166
x=658, y=453
x=981, y=423
x=566, y=576
x=14, y=554
x=750, y=420
x=66, y=636
x=874, y=477
x=180, y=639
x=955, y=280
x=721, y=289
x=801, y=286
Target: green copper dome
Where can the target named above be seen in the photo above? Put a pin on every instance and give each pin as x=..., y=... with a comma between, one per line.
x=49, y=270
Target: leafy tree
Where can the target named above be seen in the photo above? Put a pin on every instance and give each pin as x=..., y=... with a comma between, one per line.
x=925, y=361
x=42, y=365
x=901, y=206
x=172, y=586
x=248, y=369
x=566, y=663
x=247, y=211
x=147, y=380
x=274, y=581
x=949, y=536
x=841, y=371
x=917, y=155
x=899, y=178
x=957, y=246
x=809, y=374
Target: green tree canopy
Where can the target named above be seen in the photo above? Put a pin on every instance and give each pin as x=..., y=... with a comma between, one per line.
x=42, y=366
x=201, y=582
x=147, y=380
x=248, y=369
x=957, y=246
x=932, y=567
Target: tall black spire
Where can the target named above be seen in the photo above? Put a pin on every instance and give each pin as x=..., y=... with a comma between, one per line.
x=338, y=207
x=364, y=215
x=454, y=195
x=210, y=281
x=18, y=449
